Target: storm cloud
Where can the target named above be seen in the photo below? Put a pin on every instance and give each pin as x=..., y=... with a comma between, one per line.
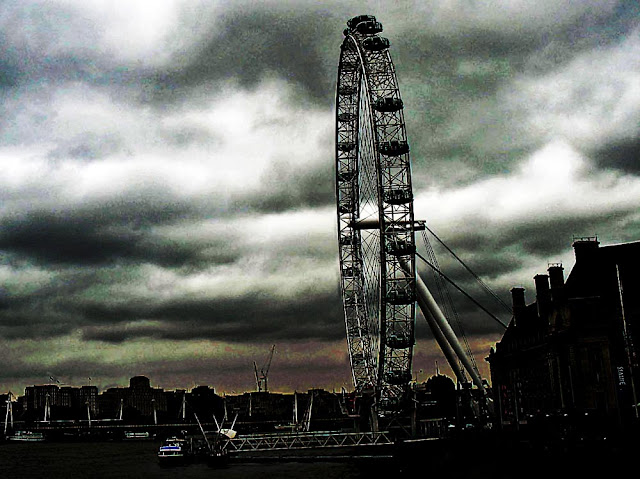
x=167, y=195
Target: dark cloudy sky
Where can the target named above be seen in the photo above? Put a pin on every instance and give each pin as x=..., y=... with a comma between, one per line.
x=167, y=185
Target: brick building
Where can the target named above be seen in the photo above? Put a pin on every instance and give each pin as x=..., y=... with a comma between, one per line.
x=572, y=353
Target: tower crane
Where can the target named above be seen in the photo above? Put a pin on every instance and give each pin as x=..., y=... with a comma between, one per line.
x=261, y=378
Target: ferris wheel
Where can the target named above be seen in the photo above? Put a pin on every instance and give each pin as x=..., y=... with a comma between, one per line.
x=375, y=215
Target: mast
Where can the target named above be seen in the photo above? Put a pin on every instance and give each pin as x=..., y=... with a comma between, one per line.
x=155, y=412
x=9, y=413
x=47, y=410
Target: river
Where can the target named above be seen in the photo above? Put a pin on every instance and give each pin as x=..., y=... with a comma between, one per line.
x=138, y=460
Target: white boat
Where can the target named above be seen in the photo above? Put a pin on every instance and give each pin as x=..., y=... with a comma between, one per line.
x=26, y=436
x=173, y=451
x=138, y=436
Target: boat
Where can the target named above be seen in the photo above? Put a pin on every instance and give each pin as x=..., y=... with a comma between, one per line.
x=218, y=457
x=174, y=451
x=26, y=436
x=138, y=436
x=211, y=448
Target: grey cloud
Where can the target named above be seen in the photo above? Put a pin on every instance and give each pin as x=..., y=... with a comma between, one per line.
x=287, y=186
x=453, y=80
x=251, y=45
x=500, y=247
x=454, y=84
x=316, y=316
x=623, y=155
x=112, y=231
x=89, y=146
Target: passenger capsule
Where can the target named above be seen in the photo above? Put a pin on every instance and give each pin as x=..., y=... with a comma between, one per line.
x=400, y=296
x=398, y=341
x=388, y=105
x=353, y=23
x=347, y=90
x=397, y=376
x=394, y=148
x=376, y=44
x=399, y=247
x=346, y=146
x=397, y=196
x=351, y=271
x=346, y=117
x=346, y=239
x=369, y=27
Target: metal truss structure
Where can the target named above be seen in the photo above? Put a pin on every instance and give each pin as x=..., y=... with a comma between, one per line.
x=265, y=442
x=375, y=216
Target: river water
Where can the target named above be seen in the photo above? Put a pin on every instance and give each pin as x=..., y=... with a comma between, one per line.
x=138, y=460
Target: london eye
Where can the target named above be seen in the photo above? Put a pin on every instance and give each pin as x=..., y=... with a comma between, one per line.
x=375, y=215
x=376, y=226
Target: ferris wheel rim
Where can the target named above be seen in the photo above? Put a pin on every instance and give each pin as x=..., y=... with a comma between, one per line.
x=380, y=359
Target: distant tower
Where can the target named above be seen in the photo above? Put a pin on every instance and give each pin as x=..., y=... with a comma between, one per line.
x=139, y=382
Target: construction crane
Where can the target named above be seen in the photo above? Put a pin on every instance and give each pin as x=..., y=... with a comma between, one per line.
x=261, y=378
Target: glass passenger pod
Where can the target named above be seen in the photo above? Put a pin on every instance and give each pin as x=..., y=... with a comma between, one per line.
x=398, y=196
x=347, y=90
x=394, y=147
x=388, y=105
x=396, y=246
x=351, y=271
x=376, y=44
x=353, y=23
x=397, y=376
x=398, y=341
x=346, y=117
x=400, y=292
x=369, y=27
x=346, y=239
x=346, y=146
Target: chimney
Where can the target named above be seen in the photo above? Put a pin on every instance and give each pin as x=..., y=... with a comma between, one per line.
x=556, y=278
x=543, y=295
x=518, y=304
x=585, y=247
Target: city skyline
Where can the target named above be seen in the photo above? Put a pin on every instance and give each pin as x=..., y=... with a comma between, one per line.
x=168, y=191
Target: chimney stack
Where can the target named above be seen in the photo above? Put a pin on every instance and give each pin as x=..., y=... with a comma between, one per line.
x=585, y=247
x=518, y=304
x=556, y=278
x=543, y=295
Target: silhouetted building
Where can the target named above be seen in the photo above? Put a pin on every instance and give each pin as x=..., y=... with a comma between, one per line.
x=572, y=352
x=139, y=399
x=206, y=403
x=439, y=393
x=65, y=402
